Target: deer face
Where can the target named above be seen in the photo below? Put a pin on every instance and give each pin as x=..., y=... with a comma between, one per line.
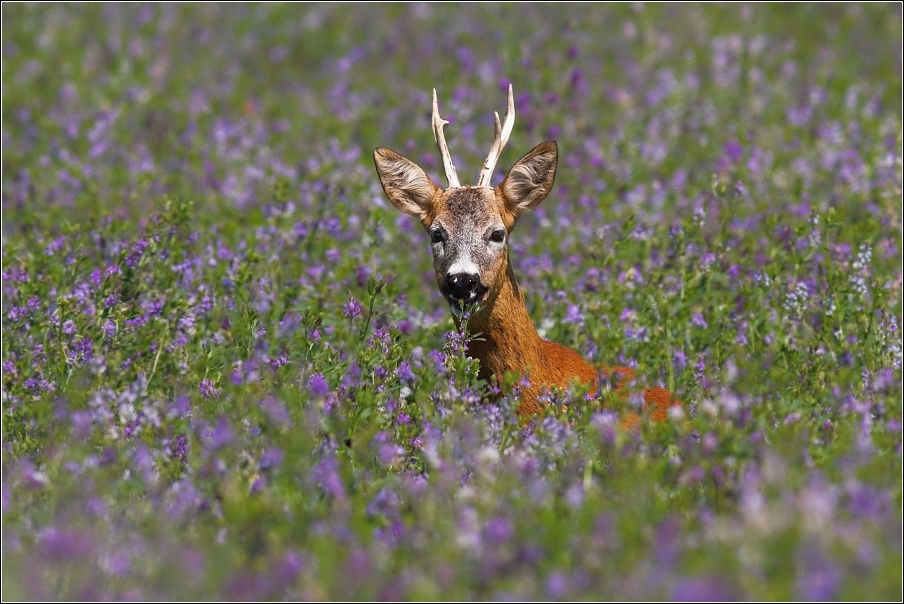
x=468, y=240
x=469, y=225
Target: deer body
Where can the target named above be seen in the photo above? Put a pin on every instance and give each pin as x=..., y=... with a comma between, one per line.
x=469, y=227
x=509, y=342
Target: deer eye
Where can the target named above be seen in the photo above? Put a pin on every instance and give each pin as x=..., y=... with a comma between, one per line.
x=436, y=236
x=498, y=236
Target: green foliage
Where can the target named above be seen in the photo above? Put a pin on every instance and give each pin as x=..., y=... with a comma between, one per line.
x=227, y=372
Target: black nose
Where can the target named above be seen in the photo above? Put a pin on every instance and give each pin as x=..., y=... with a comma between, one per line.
x=461, y=285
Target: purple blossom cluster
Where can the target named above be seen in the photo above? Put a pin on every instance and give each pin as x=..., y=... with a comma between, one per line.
x=227, y=373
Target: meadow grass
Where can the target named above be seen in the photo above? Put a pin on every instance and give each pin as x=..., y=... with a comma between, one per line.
x=227, y=372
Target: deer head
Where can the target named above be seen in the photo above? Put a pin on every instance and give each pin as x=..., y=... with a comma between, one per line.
x=469, y=225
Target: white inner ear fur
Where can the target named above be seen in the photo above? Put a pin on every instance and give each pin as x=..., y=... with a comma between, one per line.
x=407, y=185
x=524, y=187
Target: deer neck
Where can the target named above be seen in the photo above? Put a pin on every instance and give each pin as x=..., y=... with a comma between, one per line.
x=507, y=340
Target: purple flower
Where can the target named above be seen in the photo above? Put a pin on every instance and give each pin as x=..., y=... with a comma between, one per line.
x=352, y=308
x=438, y=358
x=279, y=362
x=817, y=579
x=6, y=498
x=556, y=585
x=276, y=410
x=390, y=453
x=222, y=434
x=326, y=476
x=54, y=246
x=733, y=150
x=318, y=386
x=208, y=389
x=179, y=448
x=405, y=374
x=699, y=369
x=703, y=590
x=283, y=572
x=64, y=545
x=271, y=458
x=136, y=253
x=574, y=315
x=499, y=530
x=352, y=376
x=666, y=542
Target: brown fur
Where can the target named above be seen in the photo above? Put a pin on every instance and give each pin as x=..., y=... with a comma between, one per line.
x=508, y=341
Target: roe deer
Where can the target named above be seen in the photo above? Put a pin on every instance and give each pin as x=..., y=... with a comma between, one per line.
x=469, y=228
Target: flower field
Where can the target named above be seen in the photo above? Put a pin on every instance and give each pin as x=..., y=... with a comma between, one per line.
x=228, y=372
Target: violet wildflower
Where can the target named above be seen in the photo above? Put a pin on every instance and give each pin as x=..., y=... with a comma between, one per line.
x=276, y=411
x=699, y=370
x=352, y=308
x=574, y=315
x=709, y=589
x=64, y=545
x=136, y=253
x=208, y=389
x=406, y=376
x=556, y=585
x=278, y=362
x=271, y=458
x=318, y=386
x=109, y=329
x=499, y=530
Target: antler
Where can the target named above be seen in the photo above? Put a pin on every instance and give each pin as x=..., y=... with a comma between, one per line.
x=501, y=137
x=438, y=124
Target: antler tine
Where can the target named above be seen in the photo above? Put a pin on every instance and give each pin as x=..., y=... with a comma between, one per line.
x=500, y=138
x=440, y=138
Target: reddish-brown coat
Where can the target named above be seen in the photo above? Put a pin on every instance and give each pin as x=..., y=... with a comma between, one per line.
x=507, y=341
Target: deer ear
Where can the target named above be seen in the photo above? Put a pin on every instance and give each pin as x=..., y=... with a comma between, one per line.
x=406, y=185
x=530, y=179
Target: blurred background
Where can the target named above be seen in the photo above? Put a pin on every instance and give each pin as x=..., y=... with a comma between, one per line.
x=227, y=372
